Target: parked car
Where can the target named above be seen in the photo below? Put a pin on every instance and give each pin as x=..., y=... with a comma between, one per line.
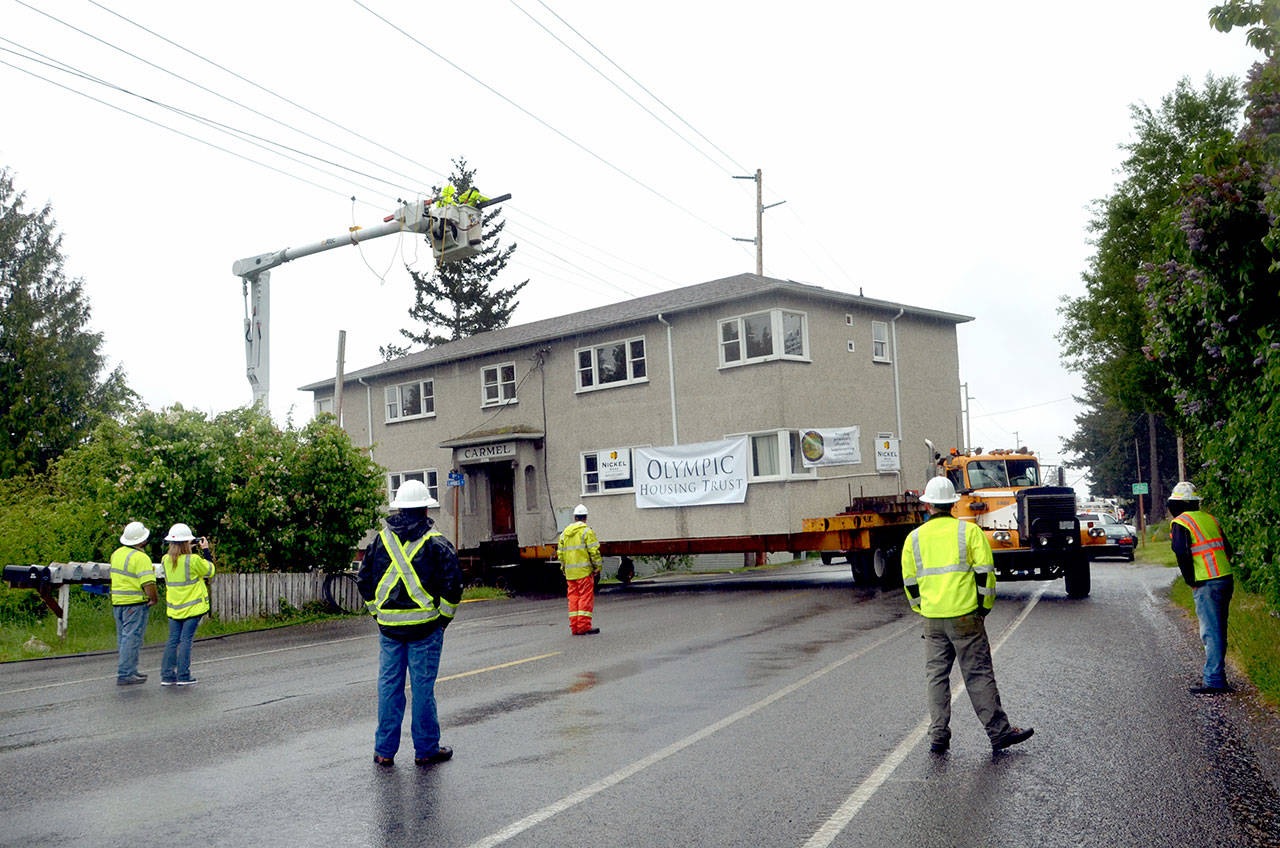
x=1120, y=539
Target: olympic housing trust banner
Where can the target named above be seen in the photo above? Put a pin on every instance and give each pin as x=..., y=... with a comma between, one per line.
x=692, y=475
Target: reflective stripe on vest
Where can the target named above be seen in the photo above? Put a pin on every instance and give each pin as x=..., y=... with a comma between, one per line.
x=1208, y=545
x=126, y=585
x=188, y=595
x=400, y=571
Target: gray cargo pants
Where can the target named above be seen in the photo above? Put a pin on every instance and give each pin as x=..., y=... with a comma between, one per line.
x=963, y=638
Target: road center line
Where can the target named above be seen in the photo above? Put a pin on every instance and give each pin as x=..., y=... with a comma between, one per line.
x=516, y=828
x=496, y=667
x=840, y=819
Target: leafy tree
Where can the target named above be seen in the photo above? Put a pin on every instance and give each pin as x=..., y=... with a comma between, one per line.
x=267, y=498
x=52, y=389
x=1100, y=337
x=456, y=299
x=1261, y=16
x=1213, y=321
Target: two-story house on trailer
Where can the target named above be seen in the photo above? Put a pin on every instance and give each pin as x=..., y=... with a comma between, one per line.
x=535, y=418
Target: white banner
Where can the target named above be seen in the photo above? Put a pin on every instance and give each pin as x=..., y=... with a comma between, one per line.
x=887, y=457
x=614, y=464
x=692, y=475
x=830, y=446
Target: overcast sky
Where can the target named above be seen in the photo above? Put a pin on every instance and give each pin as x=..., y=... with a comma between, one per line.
x=945, y=160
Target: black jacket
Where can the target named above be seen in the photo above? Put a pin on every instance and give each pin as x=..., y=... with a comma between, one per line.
x=436, y=565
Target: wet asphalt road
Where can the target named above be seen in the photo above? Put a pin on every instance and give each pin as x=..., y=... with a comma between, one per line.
x=773, y=710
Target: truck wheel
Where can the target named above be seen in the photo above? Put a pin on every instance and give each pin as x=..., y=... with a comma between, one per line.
x=1077, y=578
x=826, y=556
x=626, y=570
x=860, y=563
x=888, y=568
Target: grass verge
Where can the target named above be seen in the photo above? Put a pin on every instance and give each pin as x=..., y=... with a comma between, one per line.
x=1253, y=629
x=91, y=626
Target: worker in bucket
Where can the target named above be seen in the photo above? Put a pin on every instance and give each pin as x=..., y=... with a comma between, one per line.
x=186, y=594
x=133, y=594
x=1204, y=558
x=949, y=576
x=579, y=555
x=412, y=584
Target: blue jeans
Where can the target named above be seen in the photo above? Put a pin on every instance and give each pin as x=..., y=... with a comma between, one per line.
x=131, y=624
x=1213, y=601
x=422, y=659
x=176, y=664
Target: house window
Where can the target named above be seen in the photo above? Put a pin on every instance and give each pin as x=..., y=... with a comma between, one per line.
x=499, y=384
x=607, y=471
x=411, y=400
x=324, y=405
x=398, y=478
x=764, y=336
x=611, y=364
x=879, y=341
x=775, y=455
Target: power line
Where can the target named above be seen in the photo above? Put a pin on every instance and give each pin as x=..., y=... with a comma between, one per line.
x=539, y=120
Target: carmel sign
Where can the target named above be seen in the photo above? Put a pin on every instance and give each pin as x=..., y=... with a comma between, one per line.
x=487, y=453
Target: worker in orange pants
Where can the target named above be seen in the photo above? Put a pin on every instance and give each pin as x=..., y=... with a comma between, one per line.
x=580, y=560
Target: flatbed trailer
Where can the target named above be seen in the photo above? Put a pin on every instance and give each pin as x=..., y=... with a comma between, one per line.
x=868, y=531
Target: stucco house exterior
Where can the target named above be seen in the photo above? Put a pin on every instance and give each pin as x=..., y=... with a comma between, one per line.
x=536, y=418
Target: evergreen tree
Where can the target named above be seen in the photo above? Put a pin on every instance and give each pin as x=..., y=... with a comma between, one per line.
x=457, y=299
x=52, y=389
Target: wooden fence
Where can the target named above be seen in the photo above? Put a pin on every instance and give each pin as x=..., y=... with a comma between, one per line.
x=237, y=596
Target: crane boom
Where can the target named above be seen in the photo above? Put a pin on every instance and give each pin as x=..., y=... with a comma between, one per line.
x=454, y=232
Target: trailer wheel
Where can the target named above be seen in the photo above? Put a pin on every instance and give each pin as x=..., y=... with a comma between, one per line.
x=861, y=566
x=888, y=571
x=626, y=570
x=1077, y=577
x=826, y=557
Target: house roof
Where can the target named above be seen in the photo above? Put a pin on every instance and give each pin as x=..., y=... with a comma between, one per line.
x=670, y=302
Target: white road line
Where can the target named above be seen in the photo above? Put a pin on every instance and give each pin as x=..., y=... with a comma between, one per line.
x=516, y=828
x=840, y=819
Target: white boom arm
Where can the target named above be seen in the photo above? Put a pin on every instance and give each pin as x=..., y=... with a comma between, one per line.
x=454, y=233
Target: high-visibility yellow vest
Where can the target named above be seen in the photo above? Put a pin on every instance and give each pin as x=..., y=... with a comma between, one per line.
x=185, y=594
x=1208, y=545
x=427, y=607
x=130, y=569
x=946, y=566
x=578, y=551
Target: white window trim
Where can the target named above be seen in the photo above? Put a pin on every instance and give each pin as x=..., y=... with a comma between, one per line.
x=501, y=401
x=887, y=356
x=323, y=405
x=400, y=403
x=582, y=473
x=426, y=473
x=784, y=457
x=779, y=338
x=595, y=366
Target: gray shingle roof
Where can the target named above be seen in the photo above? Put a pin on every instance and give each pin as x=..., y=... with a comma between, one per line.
x=669, y=302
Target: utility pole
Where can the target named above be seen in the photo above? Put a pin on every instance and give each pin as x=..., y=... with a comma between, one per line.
x=337, y=385
x=968, y=431
x=760, y=207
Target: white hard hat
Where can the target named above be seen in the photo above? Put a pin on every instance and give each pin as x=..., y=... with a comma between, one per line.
x=1184, y=491
x=413, y=493
x=940, y=490
x=580, y=509
x=179, y=533
x=134, y=533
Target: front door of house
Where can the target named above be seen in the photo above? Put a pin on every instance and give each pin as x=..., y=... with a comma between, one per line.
x=502, y=478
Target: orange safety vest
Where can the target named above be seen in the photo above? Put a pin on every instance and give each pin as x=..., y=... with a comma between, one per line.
x=1208, y=545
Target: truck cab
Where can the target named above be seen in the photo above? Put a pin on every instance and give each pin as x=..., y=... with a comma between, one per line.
x=1032, y=527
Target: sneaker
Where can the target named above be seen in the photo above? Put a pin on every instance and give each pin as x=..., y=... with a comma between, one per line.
x=1015, y=736
x=191, y=682
x=129, y=681
x=443, y=752
x=168, y=683
x=140, y=675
